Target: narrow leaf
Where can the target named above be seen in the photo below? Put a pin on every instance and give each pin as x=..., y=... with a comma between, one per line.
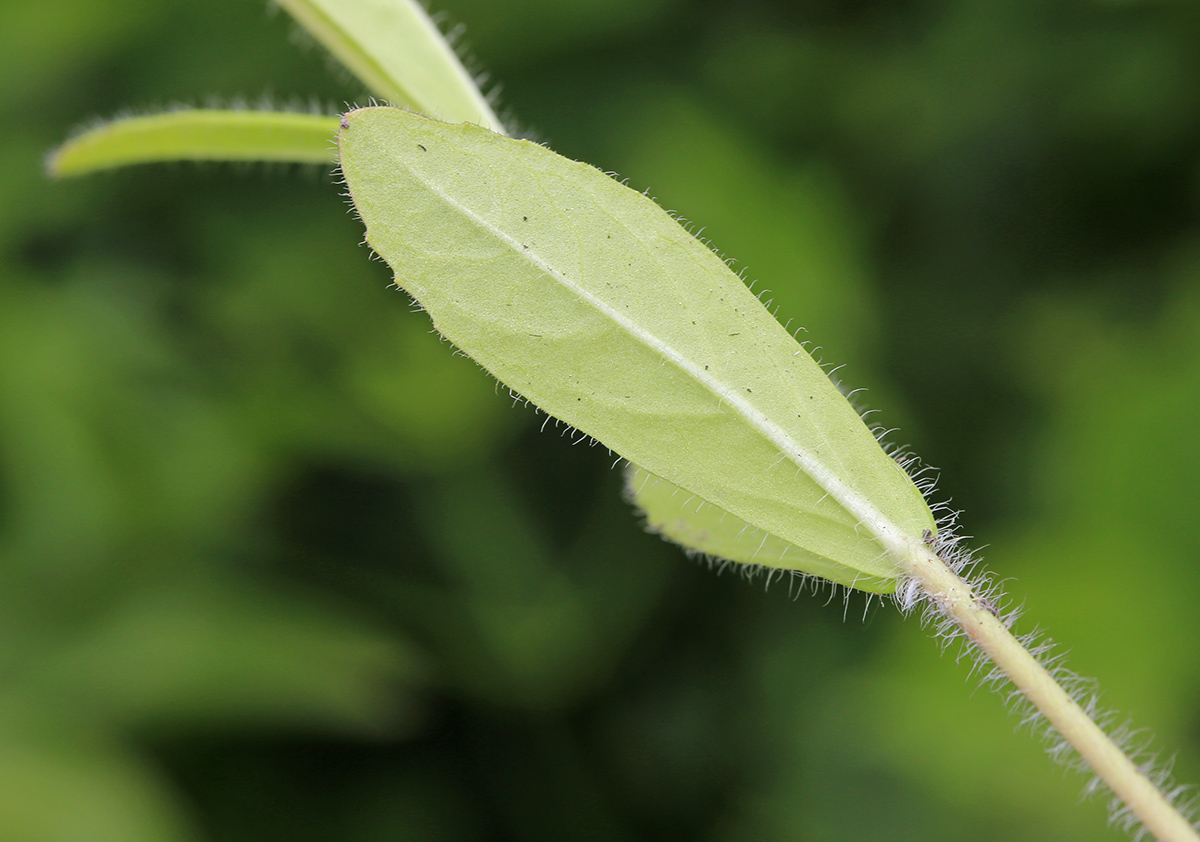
x=199, y=135
x=592, y=302
x=394, y=48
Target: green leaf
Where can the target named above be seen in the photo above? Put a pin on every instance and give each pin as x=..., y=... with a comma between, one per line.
x=592, y=302
x=199, y=135
x=698, y=525
x=394, y=48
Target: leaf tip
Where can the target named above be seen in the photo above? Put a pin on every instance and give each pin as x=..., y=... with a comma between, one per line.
x=52, y=164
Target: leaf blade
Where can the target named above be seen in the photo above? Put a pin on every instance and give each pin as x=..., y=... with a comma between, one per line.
x=700, y=527
x=397, y=51
x=589, y=300
x=198, y=135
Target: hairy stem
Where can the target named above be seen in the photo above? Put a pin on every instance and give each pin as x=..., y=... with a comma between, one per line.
x=957, y=602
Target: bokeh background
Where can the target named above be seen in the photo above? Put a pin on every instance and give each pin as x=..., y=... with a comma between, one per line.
x=275, y=564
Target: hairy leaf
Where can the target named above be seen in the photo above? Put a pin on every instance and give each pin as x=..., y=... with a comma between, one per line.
x=701, y=527
x=198, y=135
x=396, y=50
x=592, y=302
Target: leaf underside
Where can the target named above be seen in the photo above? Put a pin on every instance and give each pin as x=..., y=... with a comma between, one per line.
x=588, y=299
x=701, y=527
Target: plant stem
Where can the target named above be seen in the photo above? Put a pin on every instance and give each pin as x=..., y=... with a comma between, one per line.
x=958, y=603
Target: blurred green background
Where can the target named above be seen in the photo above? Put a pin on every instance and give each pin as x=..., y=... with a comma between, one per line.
x=275, y=564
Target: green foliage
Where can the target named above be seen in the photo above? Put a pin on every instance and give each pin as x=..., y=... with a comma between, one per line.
x=396, y=50
x=211, y=410
x=588, y=299
x=198, y=135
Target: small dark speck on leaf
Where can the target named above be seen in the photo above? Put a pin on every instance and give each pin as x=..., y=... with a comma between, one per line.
x=422, y=148
x=524, y=219
x=345, y=121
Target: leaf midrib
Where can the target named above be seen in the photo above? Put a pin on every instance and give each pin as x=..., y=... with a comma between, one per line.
x=876, y=521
